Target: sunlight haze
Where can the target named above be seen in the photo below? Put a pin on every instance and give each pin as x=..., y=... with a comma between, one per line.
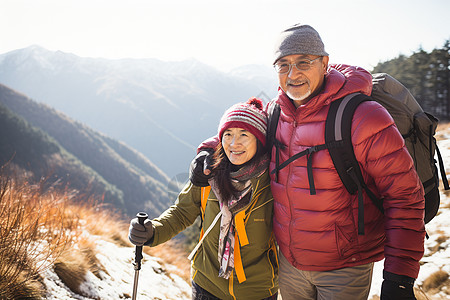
x=223, y=34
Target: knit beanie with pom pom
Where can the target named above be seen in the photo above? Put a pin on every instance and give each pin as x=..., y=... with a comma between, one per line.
x=249, y=116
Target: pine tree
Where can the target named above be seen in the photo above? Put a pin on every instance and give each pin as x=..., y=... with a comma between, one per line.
x=426, y=75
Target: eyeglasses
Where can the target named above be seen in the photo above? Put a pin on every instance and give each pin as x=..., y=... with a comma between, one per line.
x=301, y=65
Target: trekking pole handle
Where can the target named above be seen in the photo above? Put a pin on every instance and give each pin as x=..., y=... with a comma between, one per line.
x=142, y=216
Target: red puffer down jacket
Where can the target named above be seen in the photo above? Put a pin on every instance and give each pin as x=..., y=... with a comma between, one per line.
x=319, y=232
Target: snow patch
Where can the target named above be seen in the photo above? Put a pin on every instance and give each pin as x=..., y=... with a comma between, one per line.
x=117, y=283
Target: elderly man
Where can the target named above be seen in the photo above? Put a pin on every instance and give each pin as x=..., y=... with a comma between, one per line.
x=321, y=254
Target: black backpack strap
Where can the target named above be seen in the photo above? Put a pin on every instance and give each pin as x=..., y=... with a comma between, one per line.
x=273, y=112
x=441, y=162
x=441, y=167
x=432, y=198
x=309, y=152
x=338, y=132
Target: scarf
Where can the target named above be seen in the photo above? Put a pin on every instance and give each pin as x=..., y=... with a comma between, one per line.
x=240, y=180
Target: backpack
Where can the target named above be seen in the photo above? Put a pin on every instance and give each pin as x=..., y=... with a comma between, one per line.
x=416, y=126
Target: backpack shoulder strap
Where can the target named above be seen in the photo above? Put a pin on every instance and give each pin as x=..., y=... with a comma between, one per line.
x=338, y=139
x=273, y=112
x=338, y=128
x=204, y=198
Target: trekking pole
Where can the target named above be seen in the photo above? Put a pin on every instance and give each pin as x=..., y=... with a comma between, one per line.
x=138, y=256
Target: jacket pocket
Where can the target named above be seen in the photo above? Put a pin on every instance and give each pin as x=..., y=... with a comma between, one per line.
x=343, y=241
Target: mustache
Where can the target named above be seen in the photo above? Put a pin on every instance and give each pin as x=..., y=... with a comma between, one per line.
x=297, y=82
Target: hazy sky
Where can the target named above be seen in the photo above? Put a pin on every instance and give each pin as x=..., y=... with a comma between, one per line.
x=224, y=34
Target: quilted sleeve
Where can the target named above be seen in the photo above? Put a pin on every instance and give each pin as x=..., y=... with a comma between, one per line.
x=381, y=152
x=210, y=143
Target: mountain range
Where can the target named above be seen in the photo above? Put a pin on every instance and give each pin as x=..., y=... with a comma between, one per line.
x=161, y=109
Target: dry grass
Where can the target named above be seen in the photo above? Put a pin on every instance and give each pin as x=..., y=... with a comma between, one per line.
x=442, y=238
x=442, y=127
x=172, y=252
x=420, y=294
x=50, y=229
x=102, y=220
x=71, y=269
x=435, y=281
x=74, y=263
x=41, y=230
x=32, y=236
x=96, y=221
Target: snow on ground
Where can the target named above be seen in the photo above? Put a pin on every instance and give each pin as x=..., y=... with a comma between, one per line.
x=439, y=226
x=156, y=281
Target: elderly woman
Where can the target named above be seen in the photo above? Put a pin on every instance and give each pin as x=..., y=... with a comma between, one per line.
x=236, y=256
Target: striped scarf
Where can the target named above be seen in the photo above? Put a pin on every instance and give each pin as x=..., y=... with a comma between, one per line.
x=230, y=207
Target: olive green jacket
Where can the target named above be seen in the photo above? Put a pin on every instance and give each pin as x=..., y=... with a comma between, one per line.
x=259, y=257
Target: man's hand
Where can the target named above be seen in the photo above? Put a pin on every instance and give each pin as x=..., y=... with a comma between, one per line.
x=401, y=289
x=139, y=234
x=200, y=168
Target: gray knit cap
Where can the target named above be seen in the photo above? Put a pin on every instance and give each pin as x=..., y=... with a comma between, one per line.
x=299, y=39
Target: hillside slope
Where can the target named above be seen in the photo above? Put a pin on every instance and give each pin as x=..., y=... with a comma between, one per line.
x=47, y=143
